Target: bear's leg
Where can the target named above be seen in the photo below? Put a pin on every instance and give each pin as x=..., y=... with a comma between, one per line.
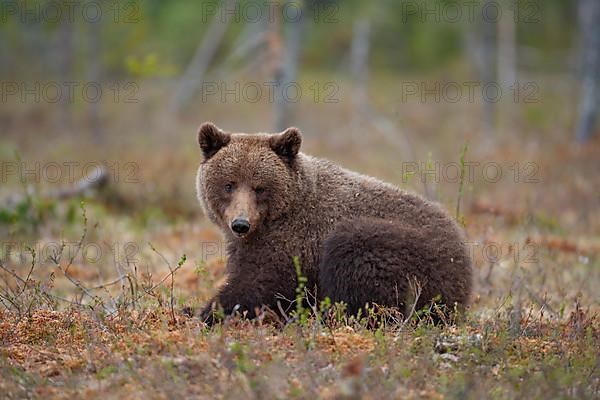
x=376, y=261
x=250, y=294
x=232, y=297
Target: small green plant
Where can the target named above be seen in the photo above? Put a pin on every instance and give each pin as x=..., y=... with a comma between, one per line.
x=302, y=313
x=25, y=295
x=337, y=314
x=106, y=372
x=325, y=306
x=241, y=359
x=428, y=313
x=201, y=270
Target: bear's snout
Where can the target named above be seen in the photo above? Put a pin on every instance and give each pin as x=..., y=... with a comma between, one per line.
x=240, y=226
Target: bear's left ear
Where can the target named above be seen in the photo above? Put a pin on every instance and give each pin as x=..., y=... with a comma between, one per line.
x=211, y=139
x=287, y=144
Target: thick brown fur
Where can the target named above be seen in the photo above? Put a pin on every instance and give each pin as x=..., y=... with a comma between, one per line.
x=358, y=240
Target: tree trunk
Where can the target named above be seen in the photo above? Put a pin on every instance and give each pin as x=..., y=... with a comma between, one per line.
x=590, y=33
x=64, y=63
x=193, y=76
x=287, y=73
x=95, y=78
x=487, y=74
x=507, y=64
x=359, y=60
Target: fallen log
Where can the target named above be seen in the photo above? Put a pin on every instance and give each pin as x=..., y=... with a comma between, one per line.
x=87, y=186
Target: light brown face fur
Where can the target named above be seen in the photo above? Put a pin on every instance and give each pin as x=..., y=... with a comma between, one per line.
x=247, y=179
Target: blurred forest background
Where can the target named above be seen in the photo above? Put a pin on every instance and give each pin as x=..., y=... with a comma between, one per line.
x=489, y=107
x=170, y=52
x=416, y=77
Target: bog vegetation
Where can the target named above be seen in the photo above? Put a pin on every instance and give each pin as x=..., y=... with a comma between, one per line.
x=103, y=243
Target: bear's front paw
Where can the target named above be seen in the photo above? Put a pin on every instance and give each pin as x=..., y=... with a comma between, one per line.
x=188, y=311
x=211, y=314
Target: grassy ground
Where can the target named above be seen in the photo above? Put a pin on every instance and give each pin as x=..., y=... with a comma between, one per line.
x=95, y=312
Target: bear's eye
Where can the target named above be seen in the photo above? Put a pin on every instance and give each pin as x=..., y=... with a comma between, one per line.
x=259, y=190
x=229, y=187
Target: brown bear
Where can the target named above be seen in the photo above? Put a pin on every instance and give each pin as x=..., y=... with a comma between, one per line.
x=358, y=240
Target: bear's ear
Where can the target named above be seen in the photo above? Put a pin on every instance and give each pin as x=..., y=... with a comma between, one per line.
x=287, y=144
x=211, y=139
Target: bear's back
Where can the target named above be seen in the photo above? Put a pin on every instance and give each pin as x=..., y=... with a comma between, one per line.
x=341, y=194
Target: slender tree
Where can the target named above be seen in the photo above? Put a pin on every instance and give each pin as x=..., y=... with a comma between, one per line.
x=507, y=64
x=287, y=73
x=94, y=59
x=64, y=64
x=193, y=76
x=589, y=15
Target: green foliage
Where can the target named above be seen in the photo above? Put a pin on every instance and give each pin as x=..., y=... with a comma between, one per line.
x=106, y=372
x=547, y=222
x=152, y=38
x=240, y=353
x=26, y=216
x=325, y=305
x=302, y=312
x=148, y=66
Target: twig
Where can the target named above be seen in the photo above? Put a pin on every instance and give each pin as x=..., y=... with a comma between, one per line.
x=64, y=271
x=172, y=299
x=12, y=273
x=131, y=287
x=416, y=289
x=81, y=239
x=462, y=179
x=119, y=270
x=16, y=306
x=291, y=303
x=148, y=291
x=540, y=301
x=104, y=285
x=80, y=286
x=282, y=312
x=30, y=271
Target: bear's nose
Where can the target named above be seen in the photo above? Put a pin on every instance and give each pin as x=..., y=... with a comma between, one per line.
x=240, y=225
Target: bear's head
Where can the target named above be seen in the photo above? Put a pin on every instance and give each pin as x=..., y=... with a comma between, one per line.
x=247, y=181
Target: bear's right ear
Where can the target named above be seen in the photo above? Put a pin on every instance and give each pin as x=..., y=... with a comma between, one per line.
x=287, y=143
x=211, y=139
